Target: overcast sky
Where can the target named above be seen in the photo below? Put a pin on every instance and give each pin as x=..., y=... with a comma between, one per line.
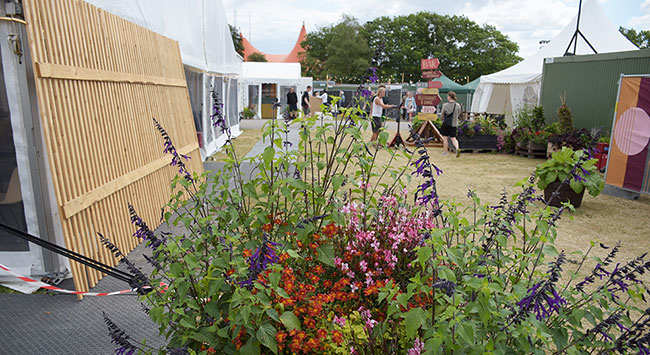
x=274, y=24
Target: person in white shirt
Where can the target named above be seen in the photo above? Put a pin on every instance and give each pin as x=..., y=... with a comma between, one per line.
x=376, y=112
x=323, y=96
x=410, y=105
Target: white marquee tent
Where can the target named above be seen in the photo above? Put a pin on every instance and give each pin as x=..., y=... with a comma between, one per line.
x=285, y=75
x=207, y=51
x=510, y=89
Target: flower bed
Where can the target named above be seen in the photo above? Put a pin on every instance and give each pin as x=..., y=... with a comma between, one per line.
x=328, y=253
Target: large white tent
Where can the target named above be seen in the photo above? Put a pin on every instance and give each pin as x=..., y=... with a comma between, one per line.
x=510, y=89
x=207, y=51
x=285, y=75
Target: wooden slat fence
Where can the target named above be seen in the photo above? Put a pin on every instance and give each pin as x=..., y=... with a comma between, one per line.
x=100, y=80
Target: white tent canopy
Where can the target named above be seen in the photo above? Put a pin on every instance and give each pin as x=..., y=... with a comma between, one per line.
x=511, y=88
x=199, y=26
x=276, y=73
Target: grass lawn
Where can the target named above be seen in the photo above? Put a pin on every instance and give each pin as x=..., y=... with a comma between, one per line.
x=604, y=218
x=243, y=144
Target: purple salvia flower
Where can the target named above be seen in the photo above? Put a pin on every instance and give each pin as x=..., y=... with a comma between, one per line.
x=543, y=298
x=177, y=159
x=119, y=337
x=263, y=257
x=217, y=113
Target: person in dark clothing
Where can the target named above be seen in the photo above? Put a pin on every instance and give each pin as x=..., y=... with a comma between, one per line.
x=292, y=100
x=306, y=106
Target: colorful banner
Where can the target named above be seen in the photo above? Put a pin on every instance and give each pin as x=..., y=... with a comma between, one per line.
x=628, y=162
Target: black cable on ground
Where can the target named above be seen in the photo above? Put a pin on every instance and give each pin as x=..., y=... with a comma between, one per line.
x=109, y=270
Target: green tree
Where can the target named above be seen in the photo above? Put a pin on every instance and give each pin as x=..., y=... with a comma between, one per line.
x=340, y=51
x=640, y=38
x=256, y=57
x=463, y=47
x=236, y=39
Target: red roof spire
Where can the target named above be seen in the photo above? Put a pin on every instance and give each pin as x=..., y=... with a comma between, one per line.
x=291, y=57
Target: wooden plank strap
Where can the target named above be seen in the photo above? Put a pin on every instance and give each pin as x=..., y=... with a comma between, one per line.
x=57, y=71
x=82, y=202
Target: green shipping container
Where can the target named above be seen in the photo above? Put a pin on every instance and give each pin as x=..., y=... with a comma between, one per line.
x=590, y=83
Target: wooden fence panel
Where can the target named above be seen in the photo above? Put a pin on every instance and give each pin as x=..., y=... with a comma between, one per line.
x=100, y=80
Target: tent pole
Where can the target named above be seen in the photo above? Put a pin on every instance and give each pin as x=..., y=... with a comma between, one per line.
x=575, y=36
x=586, y=40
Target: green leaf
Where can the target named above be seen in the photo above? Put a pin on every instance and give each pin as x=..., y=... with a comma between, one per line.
x=212, y=308
x=326, y=254
x=403, y=299
x=245, y=313
x=290, y=321
x=466, y=332
x=251, y=347
x=192, y=261
x=446, y=274
x=273, y=314
x=337, y=181
x=266, y=335
x=413, y=320
x=267, y=156
x=274, y=278
x=424, y=254
x=576, y=186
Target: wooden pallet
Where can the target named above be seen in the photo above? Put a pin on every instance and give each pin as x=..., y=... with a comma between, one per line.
x=531, y=153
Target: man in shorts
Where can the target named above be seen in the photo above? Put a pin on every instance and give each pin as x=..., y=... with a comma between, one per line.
x=306, y=106
x=376, y=112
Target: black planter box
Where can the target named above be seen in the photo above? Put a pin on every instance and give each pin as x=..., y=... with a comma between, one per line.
x=479, y=141
x=566, y=194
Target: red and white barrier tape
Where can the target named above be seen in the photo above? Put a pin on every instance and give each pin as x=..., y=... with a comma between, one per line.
x=58, y=289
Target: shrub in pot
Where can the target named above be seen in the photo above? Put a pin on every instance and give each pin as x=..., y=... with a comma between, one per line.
x=561, y=167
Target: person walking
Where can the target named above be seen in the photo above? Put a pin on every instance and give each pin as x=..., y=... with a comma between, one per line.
x=323, y=97
x=306, y=106
x=377, y=111
x=450, y=113
x=411, y=107
x=292, y=100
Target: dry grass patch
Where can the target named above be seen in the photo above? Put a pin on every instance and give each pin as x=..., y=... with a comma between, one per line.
x=243, y=144
x=604, y=218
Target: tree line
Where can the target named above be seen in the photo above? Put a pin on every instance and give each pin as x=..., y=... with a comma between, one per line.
x=466, y=50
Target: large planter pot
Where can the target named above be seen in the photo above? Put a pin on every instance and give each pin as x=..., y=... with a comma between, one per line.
x=566, y=195
x=478, y=142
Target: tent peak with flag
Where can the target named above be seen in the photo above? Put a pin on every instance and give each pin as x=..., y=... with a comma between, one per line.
x=519, y=85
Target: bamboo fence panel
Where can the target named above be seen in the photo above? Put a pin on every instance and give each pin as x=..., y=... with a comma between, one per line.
x=100, y=80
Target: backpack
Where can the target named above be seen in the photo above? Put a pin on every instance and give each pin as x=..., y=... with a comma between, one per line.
x=449, y=118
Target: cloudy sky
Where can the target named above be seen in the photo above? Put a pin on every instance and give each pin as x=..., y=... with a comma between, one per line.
x=274, y=24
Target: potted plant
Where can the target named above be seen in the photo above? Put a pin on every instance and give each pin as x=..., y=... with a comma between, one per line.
x=478, y=134
x=560, y=167
x=537, y=140
x=248, y=113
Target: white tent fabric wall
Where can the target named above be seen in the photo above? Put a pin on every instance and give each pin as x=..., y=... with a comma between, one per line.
x=506, y=91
